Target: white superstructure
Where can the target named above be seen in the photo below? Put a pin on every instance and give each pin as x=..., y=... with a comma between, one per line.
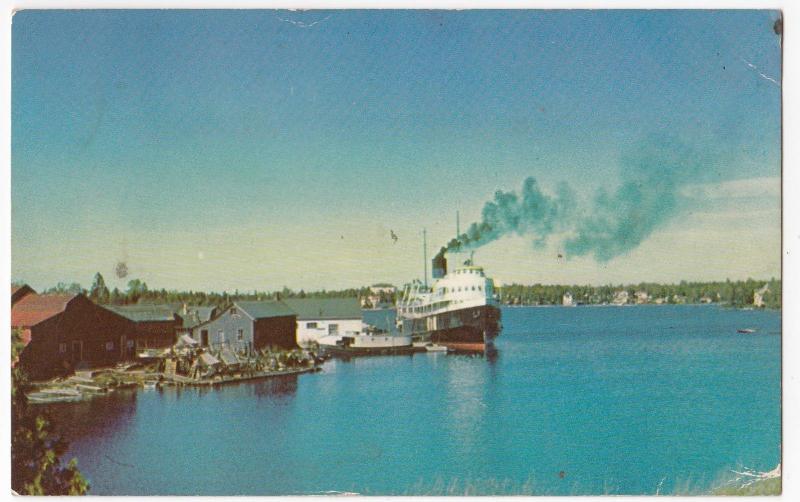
x=465, y=286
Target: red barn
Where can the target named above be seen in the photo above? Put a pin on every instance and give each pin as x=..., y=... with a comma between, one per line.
x=64, y=332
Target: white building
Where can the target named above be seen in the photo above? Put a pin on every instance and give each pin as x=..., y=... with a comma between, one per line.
x=318, y=317
x=380, y=295
x=641, y=297
x=620, y=298
x=567, y=300
x=758, y=296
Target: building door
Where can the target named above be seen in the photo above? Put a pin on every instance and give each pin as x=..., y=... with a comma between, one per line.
x=204, y=337
x=77, y=351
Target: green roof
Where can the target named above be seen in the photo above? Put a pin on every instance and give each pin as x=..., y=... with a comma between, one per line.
x=143, y=313
x=325, y=308
x=261, y=310
x=195, y=315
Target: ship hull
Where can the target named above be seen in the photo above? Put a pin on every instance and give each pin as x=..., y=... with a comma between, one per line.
x=470, y=330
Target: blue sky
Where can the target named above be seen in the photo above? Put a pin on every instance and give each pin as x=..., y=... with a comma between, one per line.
x=255, y=149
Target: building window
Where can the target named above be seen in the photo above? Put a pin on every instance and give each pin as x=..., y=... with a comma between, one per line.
x=62, y=348
x=234, y=312
x=221, y=336
x=333, y=329
x=240, y=334
x=130, y=344
x=109, y=345
x=311, y=325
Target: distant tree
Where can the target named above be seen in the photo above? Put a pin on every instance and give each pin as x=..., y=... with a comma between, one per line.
x=136, y=289
x=36, y=467
x=99, y=292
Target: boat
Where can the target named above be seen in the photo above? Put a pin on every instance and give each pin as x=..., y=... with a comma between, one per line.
x=54, y=395
x=459, y=311
x=367, y=342
x=432, y=347
x=91, y=389
x=746, y=331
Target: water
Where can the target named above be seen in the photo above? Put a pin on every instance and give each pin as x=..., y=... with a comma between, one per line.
x=586, y=400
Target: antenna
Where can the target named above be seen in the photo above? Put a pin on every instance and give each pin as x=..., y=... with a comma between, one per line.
x=458, y=226
x=425, y=255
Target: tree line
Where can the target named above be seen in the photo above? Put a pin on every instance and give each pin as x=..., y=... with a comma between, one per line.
x=137, y=292
x=732, y=293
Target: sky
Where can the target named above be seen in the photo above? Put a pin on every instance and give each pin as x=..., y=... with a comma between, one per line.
x=241, y=150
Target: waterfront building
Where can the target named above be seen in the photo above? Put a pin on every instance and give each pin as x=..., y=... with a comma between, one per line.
x=641, y=297
x=156, y=325
x=758, y=296
x=65, y=332
x=380, y=296
x=246, y=327
x=318, y=317
x=620, y=297
x=193, y=315
x=567, y=300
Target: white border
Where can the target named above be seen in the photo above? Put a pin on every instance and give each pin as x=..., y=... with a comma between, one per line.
x=791, y=177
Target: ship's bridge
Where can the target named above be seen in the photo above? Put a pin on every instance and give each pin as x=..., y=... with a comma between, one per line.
x=464, y=287
x=464, y=282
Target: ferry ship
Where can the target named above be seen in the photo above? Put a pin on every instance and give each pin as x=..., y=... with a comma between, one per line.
x=459, y=311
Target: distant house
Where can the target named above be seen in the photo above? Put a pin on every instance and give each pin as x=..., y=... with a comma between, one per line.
x=318, y=317
x=380, y=295
x=193, y=315
x=641, y=297
x=156, y=325
x=758, y=296
x=567, y=300
x=64, y=332
x=246, y=327
x=620, y=297
x=19, y=291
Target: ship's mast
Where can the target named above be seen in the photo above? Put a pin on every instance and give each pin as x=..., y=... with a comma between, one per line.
x=425, y=256
x=458, y=227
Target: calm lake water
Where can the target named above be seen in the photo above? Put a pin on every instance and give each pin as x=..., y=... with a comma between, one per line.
x=586, y=400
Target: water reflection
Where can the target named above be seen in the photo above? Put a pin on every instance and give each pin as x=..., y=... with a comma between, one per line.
x=98, y=417
x=278, y=387
x=466, y=407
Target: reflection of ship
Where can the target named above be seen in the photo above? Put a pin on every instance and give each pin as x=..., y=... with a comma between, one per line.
x=459, y=311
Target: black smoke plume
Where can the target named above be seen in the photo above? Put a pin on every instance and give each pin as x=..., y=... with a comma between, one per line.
x=613, y=223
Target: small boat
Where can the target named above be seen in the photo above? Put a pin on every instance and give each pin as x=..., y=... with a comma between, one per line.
x=91, y=389
x=432, y=347
x=46, y=396
x=366, y=344
x=150, y=384
x=746, y=331
x=59, y=391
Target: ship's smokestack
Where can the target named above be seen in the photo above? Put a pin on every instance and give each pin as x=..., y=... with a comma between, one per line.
x=439, y=265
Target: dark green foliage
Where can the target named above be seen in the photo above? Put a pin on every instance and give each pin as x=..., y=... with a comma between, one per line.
x=61, y=288
x=36, y=467
x=735, y=294
x=99, y=292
